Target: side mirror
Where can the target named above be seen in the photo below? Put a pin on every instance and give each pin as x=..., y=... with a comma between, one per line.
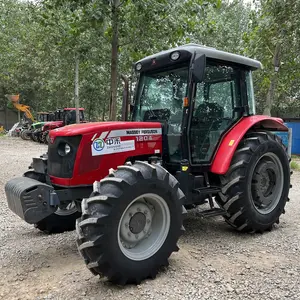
x=198, y=68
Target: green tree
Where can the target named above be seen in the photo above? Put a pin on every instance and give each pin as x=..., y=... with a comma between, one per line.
x=274, y=40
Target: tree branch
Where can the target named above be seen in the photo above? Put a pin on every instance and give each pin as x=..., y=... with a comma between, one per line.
x=121, y=4
x=270, y=50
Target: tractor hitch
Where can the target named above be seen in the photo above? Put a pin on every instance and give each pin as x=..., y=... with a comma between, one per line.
x=30, y=199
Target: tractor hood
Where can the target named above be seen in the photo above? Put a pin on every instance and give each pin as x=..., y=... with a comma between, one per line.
x=97, y=147
x=113, y=129
x=54, y=123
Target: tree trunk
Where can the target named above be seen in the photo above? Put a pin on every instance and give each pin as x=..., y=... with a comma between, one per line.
x=103, y=112
x=114, y=60
x=273, y=83
x=77, y=88
x=90, y=109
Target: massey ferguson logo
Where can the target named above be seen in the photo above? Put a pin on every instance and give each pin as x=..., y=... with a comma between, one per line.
x=142, y=131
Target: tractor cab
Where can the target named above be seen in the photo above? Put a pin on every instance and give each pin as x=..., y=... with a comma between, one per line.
x=58, y=115
x=43, y=117
x=198, y=94
x=69, y=115
x=63, y=117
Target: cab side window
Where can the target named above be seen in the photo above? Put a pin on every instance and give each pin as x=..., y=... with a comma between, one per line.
x=215, y=109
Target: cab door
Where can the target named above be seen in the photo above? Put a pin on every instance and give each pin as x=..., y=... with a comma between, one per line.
x=216, y=107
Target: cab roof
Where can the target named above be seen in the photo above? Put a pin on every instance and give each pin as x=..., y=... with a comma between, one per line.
x=212, y=53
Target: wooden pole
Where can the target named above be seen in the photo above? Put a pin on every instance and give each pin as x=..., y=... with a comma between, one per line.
x=290, y=142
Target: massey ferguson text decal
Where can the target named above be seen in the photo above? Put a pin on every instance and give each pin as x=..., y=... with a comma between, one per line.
x=134, y=132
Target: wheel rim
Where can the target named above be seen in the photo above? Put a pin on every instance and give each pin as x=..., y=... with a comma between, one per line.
x=267, y=183
x=143, y=227
x=67, y=210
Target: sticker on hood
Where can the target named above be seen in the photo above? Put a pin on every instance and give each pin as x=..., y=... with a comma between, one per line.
x=111, y=145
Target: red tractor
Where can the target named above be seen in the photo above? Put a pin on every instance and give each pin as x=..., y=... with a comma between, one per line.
x=63, y=117
x=193, y=138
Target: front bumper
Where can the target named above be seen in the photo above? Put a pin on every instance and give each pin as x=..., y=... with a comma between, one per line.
x=30, y=199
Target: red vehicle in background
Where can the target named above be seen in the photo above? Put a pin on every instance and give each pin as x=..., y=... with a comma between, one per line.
x=63, y=117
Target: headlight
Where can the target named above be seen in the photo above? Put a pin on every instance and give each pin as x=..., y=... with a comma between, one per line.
x=175, y=55
x=63, y=149
x=138, y=66
x=67, y=149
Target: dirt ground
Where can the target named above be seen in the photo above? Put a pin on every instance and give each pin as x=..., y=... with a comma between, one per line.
x=214, y=261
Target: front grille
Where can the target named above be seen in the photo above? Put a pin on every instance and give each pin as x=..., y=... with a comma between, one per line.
x=63, y=166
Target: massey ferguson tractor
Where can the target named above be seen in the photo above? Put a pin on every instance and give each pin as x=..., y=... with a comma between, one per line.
x=193, y=138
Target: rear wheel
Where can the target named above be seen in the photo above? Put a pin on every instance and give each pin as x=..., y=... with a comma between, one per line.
x=129, y=230
x=256, y=187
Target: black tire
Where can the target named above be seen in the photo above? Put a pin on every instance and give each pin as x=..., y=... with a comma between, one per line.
x=58, y=223
x=44, y=137
x=55, y=223
x=39, y=137
x=47, y=138
x=34, y=135
x=98, y=228
x=243, y=189
x=24, y=134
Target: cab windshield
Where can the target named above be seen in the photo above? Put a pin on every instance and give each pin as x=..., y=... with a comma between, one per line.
x=160, y=96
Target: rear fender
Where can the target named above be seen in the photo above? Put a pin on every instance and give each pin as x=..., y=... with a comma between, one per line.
x=232, y=138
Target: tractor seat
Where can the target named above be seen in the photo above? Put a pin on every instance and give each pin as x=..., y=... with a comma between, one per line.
x=157, y=115
x=209, y=115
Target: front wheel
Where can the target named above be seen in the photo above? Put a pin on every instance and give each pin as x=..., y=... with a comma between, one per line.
x=25, y=134
x=44, y=137
x=39, y=136
x=256, y=187
x=34, y=135
x=129, y=229
x=63, y=219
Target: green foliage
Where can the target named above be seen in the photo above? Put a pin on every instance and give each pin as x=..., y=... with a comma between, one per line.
x=39, y=42
x=276, y=23
x=295, y=166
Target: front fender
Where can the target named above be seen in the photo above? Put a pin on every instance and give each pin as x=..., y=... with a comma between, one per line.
x=233, y=137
